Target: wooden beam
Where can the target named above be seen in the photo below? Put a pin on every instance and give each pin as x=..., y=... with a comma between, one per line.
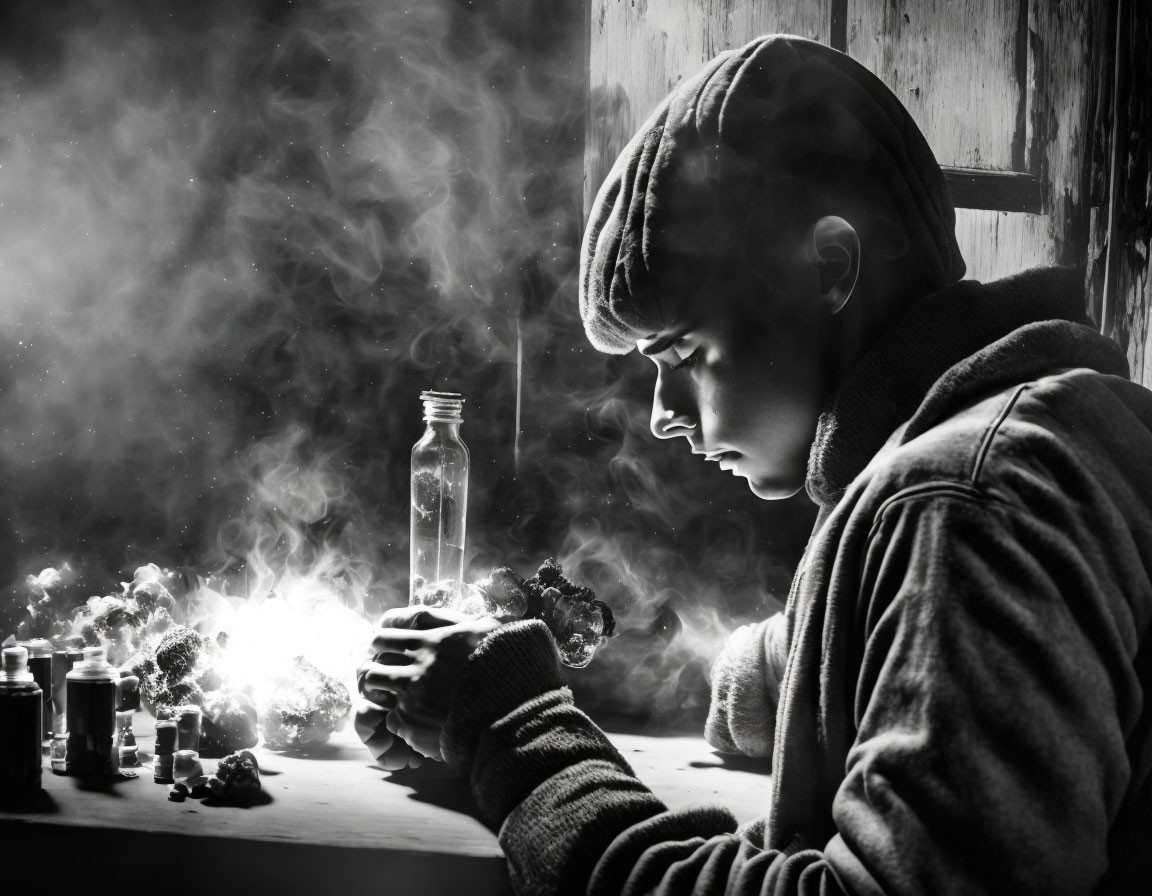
x=1128, y=279
x=838, y=25
x=1001, y=191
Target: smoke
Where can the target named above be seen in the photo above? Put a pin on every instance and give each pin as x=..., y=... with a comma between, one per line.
x=236, y=241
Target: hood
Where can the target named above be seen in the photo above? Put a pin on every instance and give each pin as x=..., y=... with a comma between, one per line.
x=967, y=340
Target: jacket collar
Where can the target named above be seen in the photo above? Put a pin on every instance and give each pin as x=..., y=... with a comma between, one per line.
x=950, y=347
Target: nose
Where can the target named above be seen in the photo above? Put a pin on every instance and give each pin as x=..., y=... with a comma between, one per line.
x=672, y=416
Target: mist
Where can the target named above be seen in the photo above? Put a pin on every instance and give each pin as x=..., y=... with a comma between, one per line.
x=238, y=239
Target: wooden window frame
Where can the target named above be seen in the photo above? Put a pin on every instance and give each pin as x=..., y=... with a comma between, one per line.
x=1001, y=191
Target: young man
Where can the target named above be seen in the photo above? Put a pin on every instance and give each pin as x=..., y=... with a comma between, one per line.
x=954, y=698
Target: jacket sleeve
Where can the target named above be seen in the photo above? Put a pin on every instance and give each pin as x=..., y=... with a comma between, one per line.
x=746, y=689
x=988, y=756
x=989, y=753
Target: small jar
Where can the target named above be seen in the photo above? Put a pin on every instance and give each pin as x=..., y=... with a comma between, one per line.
x=185, y=765
x=58, y=753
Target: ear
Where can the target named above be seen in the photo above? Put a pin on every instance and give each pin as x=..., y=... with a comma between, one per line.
x=835, y=250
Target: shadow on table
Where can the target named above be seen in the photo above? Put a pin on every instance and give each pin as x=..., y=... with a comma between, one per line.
x=106, y=784
x=433, y=783
x=619, y=723
x=40, y=803
x=263, y=798
x=736, y=763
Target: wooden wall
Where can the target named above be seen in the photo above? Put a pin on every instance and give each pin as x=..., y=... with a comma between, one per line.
x=1123, y=248
x=1036, y=111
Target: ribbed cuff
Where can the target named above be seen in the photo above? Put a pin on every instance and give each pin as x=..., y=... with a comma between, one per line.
x=514, y=664
x=745, y=692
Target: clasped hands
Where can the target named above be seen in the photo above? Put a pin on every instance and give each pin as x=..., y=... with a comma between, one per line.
x=406, y=690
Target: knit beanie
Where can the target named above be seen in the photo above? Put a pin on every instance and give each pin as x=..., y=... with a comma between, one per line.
x=745, y=156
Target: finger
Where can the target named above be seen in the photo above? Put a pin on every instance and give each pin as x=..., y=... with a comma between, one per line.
x=371, y=729
x=394, y=679
x=404, y=726
x=397, y=756
x=426, y=742
x=370, y=710
x=364, y=685
x=368, y=719
x=419, y=618
x=386, y=700
x=406, y=617
x=401, y=756
x=401, y=641
x=392, y=659
x=424, y=738
x=384, y=697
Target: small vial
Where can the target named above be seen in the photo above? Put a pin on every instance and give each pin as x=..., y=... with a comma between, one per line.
x=162, y=768
x=187, y=727
x=58, y=753
x=166, y=735
x=126, y=740
x=185, y=765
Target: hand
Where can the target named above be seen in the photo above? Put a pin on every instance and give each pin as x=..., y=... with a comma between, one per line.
x=390, y=752
x=372, y=711
x=420, y=655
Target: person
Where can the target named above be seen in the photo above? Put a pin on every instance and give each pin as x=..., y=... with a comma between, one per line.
x=954, y=698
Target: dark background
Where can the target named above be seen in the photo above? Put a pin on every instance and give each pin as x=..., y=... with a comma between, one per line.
x=236, y=241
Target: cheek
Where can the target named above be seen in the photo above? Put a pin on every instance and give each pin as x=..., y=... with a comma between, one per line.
x=772, y=412
x=735, y=407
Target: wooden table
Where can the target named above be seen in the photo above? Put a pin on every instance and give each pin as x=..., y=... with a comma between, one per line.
x=333, y=823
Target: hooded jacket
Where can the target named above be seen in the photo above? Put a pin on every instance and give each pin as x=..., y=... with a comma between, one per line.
x=961, y=705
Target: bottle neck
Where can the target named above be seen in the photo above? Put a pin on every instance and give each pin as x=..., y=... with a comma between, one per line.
x=10, y=678
x=444, y=429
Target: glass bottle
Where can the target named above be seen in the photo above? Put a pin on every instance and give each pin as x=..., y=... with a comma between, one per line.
x=439, y=503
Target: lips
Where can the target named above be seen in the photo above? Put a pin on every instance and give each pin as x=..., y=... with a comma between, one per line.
x=724, y=458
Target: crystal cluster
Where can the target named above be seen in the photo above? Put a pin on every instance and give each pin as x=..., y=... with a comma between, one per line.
x=578, y=621
x=170, y=673
x=303, y=707
x=228, y=723
x=237, y=779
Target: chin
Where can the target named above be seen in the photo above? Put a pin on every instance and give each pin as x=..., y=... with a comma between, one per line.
x=775, y=489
